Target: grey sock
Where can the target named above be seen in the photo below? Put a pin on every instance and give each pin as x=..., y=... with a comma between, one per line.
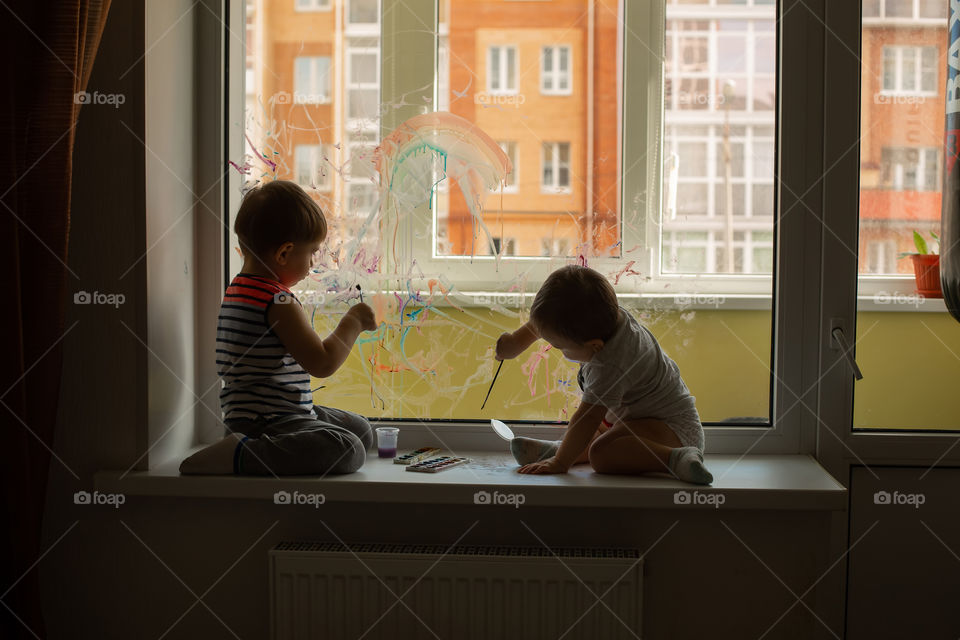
x=687, y=464
x=527, y=450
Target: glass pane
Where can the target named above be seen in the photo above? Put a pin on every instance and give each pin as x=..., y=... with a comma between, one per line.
x=719, y=153
x=534, y=47
x=909, y=357
x=293, y=130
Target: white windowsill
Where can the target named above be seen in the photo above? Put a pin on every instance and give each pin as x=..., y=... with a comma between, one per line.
x=771, y=482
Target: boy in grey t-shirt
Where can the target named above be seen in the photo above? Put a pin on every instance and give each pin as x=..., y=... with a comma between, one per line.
x=636, y=414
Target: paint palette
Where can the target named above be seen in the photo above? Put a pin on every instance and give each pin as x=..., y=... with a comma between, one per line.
x=416, y=456
x=502, y=430
x=436, y=465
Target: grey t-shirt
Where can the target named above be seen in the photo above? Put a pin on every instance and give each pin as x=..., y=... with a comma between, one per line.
x=632, y=376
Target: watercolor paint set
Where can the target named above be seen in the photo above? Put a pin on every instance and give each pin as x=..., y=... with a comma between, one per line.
x=436, y=465
x=416, y=456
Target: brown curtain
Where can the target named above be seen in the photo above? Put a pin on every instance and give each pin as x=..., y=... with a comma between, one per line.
x=48, y=49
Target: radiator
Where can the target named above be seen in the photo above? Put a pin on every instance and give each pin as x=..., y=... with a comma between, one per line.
x=327, y=591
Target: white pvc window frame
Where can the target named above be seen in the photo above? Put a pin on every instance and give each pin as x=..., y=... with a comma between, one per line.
x=499, y=72
x=551, y=73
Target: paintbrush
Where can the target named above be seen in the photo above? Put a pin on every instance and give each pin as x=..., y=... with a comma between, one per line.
x=491, y=386
x=360, y=291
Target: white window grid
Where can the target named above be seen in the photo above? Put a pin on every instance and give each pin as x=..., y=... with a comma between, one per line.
x=311, y=79
x=747, y=243
x=754, y=140
x=556, y=70
x=361, y=89
x=892, y=11
x=551, y=157
x=312, y=166
x=902, y=174
x=696, y=84
x=502, y=64
x=910, y=70
x=311, y=5
x=362, y=16
x=881, y=256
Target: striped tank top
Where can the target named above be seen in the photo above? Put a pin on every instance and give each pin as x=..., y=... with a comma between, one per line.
x=260, y=379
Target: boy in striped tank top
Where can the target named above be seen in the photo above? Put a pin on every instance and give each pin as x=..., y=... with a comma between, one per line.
x=267, y=350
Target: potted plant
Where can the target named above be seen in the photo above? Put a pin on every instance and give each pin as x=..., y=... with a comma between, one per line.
x=926, y=266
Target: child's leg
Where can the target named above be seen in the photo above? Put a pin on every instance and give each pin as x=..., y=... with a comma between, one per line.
x=647, y=445
x=528, y=450
x=352, y=422
x=302, y=446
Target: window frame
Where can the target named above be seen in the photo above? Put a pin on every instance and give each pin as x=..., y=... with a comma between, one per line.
x=839, y=446
x=314, y=6
x=555, y=74
x=512, y=184
x=794, y=359
x=318, y=152
x=503, y=70
x=555, y=146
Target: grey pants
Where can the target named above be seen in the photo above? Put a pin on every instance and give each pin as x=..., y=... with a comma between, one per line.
x=336, y=441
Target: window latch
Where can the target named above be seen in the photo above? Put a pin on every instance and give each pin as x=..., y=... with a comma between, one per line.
x=840, y=342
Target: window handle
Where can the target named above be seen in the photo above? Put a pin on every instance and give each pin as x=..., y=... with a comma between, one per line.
x=840, y=341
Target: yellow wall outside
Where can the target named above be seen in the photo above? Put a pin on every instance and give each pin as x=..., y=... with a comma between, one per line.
x=910, y=361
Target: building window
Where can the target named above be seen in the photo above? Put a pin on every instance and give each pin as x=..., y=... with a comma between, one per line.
x=363, y=81
x=363, y=12
x=555, y=71
x=909, y=169
x=509, y=246
x=502, y=69
x=557, y=247
x=311, y=80
x=311, y=5
x=510, y=183
x=905, y=9
x=882, y=256
x=556, y=167
x=911, y=70
x=312, y=168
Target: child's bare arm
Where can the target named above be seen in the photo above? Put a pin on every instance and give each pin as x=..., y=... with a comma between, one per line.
x=583, y=425
x=319, y=357
x=510, y=345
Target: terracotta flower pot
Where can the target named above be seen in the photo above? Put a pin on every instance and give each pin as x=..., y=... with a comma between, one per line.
x=926, y=269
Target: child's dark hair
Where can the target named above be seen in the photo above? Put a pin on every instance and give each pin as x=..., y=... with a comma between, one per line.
x=578, y=303
x=275, y=213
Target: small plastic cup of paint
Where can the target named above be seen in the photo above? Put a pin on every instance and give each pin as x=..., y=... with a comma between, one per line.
x=387, y=441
